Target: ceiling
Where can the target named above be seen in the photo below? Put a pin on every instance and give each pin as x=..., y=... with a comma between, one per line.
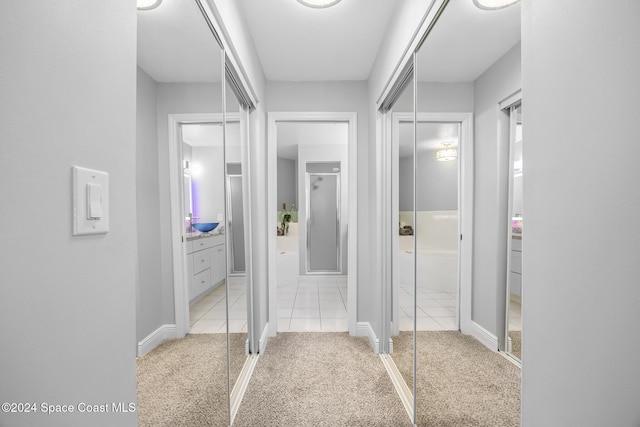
x=176, y=45
x=297, y=43
x=466, y=41
x=292, y=134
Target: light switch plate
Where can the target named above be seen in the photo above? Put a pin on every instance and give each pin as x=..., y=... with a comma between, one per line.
x=82, y=223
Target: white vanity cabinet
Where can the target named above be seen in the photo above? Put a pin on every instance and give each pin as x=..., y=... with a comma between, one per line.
x=205, y=264
x=516, y=267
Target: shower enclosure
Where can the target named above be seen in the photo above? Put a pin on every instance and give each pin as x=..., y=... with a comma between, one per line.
x=323, y=218
x=236, y=218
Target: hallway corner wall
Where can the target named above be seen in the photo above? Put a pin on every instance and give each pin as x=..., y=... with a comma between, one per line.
x=149, y=296
x=581, y=316
x=67, y=309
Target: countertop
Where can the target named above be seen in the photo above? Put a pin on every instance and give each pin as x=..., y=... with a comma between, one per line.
x=198, y=235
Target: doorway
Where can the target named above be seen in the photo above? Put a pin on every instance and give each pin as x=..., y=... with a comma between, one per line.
x=335, y=283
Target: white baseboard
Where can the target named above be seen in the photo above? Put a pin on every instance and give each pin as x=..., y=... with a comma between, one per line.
x=484, y=336
x=241, y=385
x=264, y=338
x=405, y=394
x=364, y=329
x=155, y=338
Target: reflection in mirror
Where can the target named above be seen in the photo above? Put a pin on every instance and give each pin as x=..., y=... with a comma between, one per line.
x=469, y=62
x=180, y=75
x=514, y=284
x=234, y=187
x=403, y=265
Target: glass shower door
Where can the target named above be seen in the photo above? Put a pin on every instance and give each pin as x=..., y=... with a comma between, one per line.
x=323, y=218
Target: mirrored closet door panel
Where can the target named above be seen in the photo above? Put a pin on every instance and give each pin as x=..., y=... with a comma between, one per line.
x=237, y=236
x=513, y=322
x=402, y=247
x=181, y=59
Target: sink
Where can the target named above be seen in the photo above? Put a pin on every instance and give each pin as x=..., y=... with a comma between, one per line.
x=205, y=227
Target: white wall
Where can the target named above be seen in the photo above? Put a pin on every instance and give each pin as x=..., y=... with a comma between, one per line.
x=287, y=178
x=149, y=304
x=67, y=304
x=581, y=271
x=501, y=80
x=208, y=183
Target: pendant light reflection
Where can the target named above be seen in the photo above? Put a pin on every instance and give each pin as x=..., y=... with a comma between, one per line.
x=148, y=4
x=446, y=154
x=494, y=4
x=319, y=4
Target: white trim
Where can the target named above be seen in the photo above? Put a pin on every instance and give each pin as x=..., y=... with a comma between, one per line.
x=406, y=397
x=155, y=338
x=509, y=101
x=352, y=244
x=428, y=21
x=264, y=339
x=180, y=292
x=484, y=336
x=466, y=199
x=364, y=329
x=231, y=53
x=241, y=385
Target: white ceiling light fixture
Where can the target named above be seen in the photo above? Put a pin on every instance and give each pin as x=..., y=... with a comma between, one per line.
x=319, y=4
x=446, y=154
x=148, y=4
x=494, y=4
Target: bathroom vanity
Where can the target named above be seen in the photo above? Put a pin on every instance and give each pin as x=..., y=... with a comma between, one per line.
x=205, y=263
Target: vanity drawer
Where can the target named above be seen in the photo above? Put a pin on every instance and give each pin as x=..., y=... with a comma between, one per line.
x=200, y=283
x=201, y=244
x=201, y=261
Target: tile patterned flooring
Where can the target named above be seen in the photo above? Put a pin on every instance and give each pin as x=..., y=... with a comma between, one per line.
x=207, y=315
x=435, y=311
x=320, y=305
x=515, y=315
x=313, y=305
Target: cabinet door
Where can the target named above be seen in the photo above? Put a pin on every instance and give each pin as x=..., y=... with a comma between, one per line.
x=190, y=289
x=218, y=271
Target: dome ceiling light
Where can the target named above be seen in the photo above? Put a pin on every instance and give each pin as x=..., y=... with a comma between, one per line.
x=319, y=4
x=148, y=4
x=494, y=4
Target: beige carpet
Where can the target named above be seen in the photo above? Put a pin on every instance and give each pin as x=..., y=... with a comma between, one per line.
x=183, y=382
x=516, y=343
x=320, y=379
x=461, y=382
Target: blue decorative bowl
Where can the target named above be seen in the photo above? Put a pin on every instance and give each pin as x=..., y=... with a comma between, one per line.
x=205, y=227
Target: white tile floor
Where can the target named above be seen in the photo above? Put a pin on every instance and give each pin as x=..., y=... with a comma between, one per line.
x=208, y=314
x=436, y=311
x=313, y=305
x=515, y=315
